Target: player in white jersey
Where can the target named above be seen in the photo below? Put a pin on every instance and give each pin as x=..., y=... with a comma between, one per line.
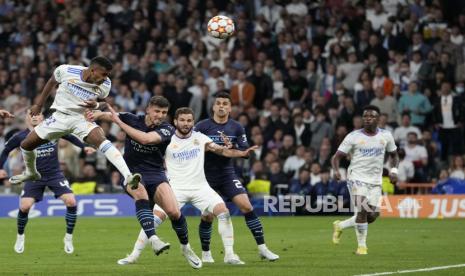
x=367, y=148
x=184, y=158
x=78, y=89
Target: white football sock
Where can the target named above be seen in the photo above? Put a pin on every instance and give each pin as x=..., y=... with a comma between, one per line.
x=114, y=156
x=29, y=158
x=226, y=231
x=140, y=244
x=361, y=230
x=350, y=222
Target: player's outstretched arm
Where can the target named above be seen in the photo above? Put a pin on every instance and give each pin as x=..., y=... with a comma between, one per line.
x=335, y=164
x=37, y=107
x=224, y=151
x=97, y=115
x=6, y=114
x=145, y=138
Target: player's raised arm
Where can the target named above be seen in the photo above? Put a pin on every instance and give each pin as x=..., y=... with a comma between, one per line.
x=145, y=138
x=217, y=149
x=51, y=83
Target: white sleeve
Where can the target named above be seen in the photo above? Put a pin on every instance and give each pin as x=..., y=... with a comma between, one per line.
x=391, y=144
x=105, y=89
x=347, y=144
x=423, y=153
x=205, y=139
x=59, y=73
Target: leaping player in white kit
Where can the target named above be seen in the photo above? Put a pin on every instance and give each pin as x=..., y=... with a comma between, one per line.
x=79, y=88
x=184, y=160
x=367, y=148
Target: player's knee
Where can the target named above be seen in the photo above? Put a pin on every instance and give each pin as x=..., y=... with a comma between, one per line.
x=371, y=217
x=159, y=214
x=70, y=201
x=207, y=217
x=139, y=193
x=26, y=145
x=25, y=208
x=245, y=207
x=173, y=213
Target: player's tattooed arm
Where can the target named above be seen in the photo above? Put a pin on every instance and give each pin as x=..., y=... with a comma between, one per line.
x=335, y=164
x=145, y=138
x=220, y=150
x=37, y=107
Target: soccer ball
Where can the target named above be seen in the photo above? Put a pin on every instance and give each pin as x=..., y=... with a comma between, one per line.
x=220, y=26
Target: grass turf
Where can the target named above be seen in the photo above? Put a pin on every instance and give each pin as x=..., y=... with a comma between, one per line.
x=303, y=243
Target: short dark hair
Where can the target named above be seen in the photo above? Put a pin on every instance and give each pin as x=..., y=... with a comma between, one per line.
x=159, y=101
x=373, y=108
x=183, y=110
x=102, y=61
x=223, y=95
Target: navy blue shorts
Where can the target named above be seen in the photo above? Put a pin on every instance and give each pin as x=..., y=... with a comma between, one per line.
x=228, y=186
x=35, y=189
x=150, y=182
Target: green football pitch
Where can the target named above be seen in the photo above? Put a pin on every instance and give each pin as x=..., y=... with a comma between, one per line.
x=303, y=243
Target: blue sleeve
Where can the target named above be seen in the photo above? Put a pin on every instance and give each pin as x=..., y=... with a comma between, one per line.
x=127, y=117
x=10, y=145
x=242, y=143
x=74, y=140
x=165, y=131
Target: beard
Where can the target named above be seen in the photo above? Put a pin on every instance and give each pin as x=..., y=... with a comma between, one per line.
x=185, y=131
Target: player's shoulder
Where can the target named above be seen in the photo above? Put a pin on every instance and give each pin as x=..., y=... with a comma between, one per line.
x=385, y=132
x=21, y=134
x=234, y=123
x=203, y=123
x=198, y=134
x=354, y=133
x=167, y=127
x=71, y=69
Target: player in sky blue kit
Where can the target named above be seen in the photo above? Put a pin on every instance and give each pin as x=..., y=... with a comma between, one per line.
x=52, y=177
x=221, y=176
x=146, y=141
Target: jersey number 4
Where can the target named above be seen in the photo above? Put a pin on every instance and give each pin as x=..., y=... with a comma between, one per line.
x=64, y=184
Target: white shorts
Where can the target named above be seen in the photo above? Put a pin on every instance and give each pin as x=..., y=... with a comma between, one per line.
x=205, y=199
x=371, y=191
x=60, y=124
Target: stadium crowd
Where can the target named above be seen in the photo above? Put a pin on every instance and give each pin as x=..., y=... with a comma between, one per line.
x=298, y=72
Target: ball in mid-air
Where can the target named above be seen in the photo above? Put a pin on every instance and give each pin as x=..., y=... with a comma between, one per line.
x=220, y=26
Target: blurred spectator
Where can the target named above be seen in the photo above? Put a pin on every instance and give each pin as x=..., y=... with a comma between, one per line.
x=320, y=129
x=243, y=92
x=416, y=104
x=300, y=185
x=400, y=133
x=386, y=104
x=457, y=169
x=418, y=155
x=449, y=116
x=406, y=168
x=294, y=162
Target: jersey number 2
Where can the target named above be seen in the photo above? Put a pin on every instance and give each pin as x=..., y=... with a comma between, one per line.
x=238, y=184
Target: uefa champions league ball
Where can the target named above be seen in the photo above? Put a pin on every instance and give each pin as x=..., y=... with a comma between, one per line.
x=220, y=26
